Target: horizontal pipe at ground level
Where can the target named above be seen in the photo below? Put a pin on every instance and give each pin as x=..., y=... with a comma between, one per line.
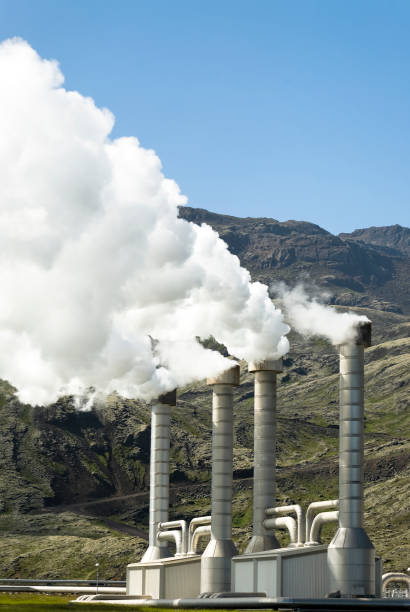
x=52, y=582
x=268, y=603
x=19, y=588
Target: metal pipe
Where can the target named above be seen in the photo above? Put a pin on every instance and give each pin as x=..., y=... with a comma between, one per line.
x=216, y=559
x=200, y=532
x=320, y=519
x=394, y=577
x=193, y=525
x=172, y=535
x=179, y=524
x=283, y=522
x=351, y=556
x=270, y=603
x=27, y=588
x=159, y=474
x=318, y=505
x=264, y=489
x=300, y=518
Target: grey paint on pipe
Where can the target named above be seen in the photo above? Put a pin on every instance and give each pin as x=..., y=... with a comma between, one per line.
x=264, y=487
x=159, y=475
x=216, y=559
x=351, y=555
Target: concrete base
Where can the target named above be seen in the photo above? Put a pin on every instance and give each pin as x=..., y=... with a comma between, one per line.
x=351, y=563
x=165, y=578
x=284, y=572
x=216, y=566
x=261, y=543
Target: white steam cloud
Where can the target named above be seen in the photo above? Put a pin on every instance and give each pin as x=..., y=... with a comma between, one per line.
x=312, y=318
x=94, y=258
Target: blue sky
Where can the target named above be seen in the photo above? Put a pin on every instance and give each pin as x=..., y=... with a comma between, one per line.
x=281, y=108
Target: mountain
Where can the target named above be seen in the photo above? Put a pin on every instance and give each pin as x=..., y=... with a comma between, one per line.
x=394, y=237
x=78, y=481
x=369, y=268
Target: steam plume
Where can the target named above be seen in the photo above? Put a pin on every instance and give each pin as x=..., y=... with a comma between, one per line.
x=312, y=318
x=95, y=259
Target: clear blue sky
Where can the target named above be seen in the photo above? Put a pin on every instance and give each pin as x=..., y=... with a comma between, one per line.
x=280, y=108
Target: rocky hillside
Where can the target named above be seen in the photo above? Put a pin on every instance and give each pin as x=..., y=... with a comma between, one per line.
x=366, y=268
x=394, y=237
x=59, y=464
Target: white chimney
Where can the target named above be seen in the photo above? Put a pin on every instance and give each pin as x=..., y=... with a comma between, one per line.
x=159, y=474
x=351, y=556
x=264, y=481
x=216, y=559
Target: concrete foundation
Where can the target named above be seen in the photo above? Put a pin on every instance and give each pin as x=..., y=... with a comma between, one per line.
x=165, y=578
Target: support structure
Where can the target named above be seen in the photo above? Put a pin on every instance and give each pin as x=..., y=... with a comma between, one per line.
x=216, y=559
x=264, y=481
x=159, y=475
x=351, y=556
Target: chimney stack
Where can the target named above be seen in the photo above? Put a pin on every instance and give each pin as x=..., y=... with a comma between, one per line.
x=216, y=559
x=264, y=480
x=351, y=556
x=159, y=474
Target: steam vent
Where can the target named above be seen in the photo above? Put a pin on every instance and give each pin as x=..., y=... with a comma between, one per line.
x=305, y=574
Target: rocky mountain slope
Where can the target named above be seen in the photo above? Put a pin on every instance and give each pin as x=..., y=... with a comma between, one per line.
x=360, y=269
x=394, y=237
x=59, y=461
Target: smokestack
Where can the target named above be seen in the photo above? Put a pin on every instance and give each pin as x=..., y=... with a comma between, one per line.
x=159, y=474
x=351, y=557
x=216, y=559
x=264, y=451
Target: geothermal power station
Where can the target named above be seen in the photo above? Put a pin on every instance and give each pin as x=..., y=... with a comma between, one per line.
x=305, y=574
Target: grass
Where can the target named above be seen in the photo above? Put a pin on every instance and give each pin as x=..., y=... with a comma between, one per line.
x=36, y=602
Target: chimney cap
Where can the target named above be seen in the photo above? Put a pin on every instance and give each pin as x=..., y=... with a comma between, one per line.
x=170, y=398
x=228, y=377
x=267, y=365
x=364, y=333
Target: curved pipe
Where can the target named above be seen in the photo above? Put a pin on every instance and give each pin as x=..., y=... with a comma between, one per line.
x=313, y=508
x=283, y=522
x=300, y=517
x=394, y=577
x=180, y=524
x=320, y=519
x=200, y=532
x=172, y=536
x=193, y=525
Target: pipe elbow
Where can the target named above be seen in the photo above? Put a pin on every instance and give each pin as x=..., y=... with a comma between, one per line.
x=201, y=532
x=283, y=522
x=394, y=577
x=321, y=519
x=172, y=536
